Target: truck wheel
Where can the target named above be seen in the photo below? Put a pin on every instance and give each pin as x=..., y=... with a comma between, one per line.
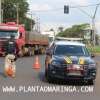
x=32, y=52
x=20, y=54
x=29, y=53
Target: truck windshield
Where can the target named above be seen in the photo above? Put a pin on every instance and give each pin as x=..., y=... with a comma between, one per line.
x=71, y=50
x=8, y=33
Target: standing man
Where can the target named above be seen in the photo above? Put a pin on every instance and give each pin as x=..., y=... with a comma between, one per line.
x=11, y=49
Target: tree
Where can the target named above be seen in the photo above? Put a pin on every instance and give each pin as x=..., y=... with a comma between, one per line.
x=10, y=9
x=74, y=31
x=29, y=23
x=13, y=7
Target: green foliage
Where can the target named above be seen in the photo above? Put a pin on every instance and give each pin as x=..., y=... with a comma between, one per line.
x=10, y=11
x=74, y=31
x=95, y=49
x=29, y=24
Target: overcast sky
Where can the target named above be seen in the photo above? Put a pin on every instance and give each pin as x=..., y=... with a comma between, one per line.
x=51, y=13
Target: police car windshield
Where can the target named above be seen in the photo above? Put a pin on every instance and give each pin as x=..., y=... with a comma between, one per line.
x=71, y=50
x=8, y=33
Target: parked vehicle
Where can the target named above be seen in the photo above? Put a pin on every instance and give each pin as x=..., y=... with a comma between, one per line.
x=36, y=42
x=26, y=41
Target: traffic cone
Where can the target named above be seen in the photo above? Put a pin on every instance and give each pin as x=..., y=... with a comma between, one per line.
x=36, y=64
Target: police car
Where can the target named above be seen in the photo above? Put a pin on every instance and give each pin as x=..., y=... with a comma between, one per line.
x=69, y=61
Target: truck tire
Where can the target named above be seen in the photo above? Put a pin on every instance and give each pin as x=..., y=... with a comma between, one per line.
x=20, y=54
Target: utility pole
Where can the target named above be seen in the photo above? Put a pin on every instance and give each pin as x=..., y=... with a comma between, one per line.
x=0, y=12
x=93, y=31
x=17, y=11
x=39, y=25
x=54, y=34
x=93, y=25
x=31, y=23
x=2, y=16
x=93, y=22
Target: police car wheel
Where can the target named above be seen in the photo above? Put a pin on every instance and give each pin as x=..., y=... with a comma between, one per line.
x=45, y=73
x=91, y=82
x=48, y=77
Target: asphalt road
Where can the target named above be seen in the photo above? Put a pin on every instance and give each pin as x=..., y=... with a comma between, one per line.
x=27, y=77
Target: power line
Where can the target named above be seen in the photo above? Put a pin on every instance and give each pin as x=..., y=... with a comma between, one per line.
x=58, y=9
x=50, y=10
x=85, y=12
x=96, y=10
x=91, y=5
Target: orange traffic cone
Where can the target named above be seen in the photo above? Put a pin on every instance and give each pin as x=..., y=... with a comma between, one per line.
x=36, y=64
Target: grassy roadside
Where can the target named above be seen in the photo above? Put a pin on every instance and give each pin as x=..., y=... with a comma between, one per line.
x=95, y=49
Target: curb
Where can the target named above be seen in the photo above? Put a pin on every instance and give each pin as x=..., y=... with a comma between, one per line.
x=97, y=54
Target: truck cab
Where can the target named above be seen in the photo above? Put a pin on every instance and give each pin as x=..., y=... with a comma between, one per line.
x=8, y=29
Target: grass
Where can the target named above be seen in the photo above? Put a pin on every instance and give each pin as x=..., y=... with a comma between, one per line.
x=95, y=49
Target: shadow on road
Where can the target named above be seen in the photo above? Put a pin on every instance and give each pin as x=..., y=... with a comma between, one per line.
x=2, y=74
x=62, y=82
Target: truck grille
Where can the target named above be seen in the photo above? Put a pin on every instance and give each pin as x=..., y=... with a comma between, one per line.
x=1, y=45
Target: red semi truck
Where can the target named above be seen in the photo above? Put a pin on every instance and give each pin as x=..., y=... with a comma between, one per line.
x=28, y=42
